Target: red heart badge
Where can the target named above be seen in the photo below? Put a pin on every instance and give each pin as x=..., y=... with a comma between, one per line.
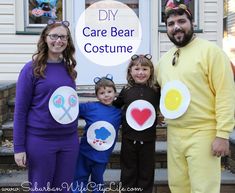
x=140, y=116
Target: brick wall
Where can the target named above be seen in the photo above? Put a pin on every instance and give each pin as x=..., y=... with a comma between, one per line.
x=7, y=92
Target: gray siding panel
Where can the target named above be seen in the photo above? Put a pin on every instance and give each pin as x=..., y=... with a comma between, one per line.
x=15, y=50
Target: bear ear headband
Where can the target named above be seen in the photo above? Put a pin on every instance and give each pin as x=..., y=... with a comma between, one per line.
x=108, y=77
x=147, y=56
x=177, y=4
x=52, y=21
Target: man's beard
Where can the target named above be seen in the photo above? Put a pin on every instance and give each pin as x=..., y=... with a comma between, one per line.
x=186, y=39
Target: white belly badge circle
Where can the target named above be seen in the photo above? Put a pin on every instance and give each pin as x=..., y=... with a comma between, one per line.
x=140, y=115
x=175, y=99
x=101, y=135
x=63, y=105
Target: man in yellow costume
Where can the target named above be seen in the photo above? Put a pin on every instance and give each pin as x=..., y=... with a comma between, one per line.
x=197, y=100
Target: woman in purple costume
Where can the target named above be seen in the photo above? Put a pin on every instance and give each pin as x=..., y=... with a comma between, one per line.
x=46, y=109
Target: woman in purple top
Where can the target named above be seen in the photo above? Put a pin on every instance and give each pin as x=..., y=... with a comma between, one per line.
x=46, y=110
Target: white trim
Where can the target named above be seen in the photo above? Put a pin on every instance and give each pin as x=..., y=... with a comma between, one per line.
x=160, y=23
x=196, y=13
x=202, y=14
x=19, y=15
x=144, y=17
x=154, y=31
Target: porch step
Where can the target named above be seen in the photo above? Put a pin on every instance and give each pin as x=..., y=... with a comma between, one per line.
x=232, y=137
x=1, y=134
x=7, y=156
x=160, y=155
x=231, y=159
x=113, y=175
x=161, y=182
x=160, y=147
x=7, y=130
x=13, y=180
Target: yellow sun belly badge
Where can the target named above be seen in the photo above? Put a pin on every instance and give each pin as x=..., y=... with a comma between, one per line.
x=175, y=99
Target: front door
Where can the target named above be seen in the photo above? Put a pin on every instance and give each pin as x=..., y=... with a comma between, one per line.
x=88, y=70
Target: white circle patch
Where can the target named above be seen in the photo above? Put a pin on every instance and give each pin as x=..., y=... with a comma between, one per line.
x=175, y=99
x=110, y=30
x=140, y=115
x=101, y=135
x=63, y=105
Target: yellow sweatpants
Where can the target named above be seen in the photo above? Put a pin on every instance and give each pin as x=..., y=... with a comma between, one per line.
x=191, y=166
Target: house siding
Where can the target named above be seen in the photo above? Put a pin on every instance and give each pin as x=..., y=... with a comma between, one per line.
x=16, y=50
x=231, y=17
x=230, y=41
x=7, y=15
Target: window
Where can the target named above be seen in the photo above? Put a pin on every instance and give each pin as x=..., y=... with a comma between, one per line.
x=193, y=6
x=133, y=4
x=38, y=12
x=32, y=15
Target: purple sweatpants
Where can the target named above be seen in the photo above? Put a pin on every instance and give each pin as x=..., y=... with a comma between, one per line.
x=51, y=162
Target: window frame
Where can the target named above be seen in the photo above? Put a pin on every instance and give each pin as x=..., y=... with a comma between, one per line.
x=87, y=4
x=21, y=21
x=195, y=16
x=26, y=15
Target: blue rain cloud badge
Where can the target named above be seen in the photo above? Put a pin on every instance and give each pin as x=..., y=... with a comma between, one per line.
x=101, y=135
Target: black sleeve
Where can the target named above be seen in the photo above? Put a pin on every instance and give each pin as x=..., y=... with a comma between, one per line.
x=119, y=101
x=158, y=95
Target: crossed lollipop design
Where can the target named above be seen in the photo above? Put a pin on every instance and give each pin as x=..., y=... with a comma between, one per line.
x=59, y=101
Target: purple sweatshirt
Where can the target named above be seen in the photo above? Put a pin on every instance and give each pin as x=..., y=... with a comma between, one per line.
x=32, y=115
